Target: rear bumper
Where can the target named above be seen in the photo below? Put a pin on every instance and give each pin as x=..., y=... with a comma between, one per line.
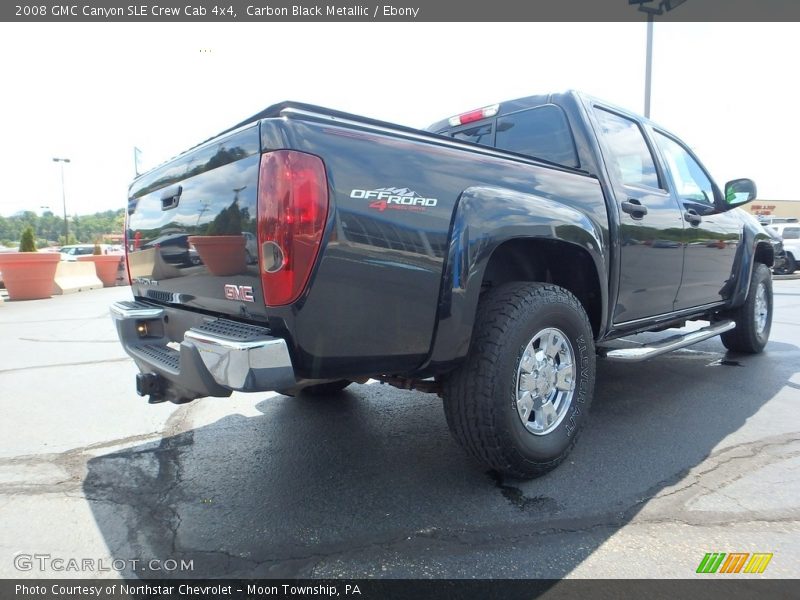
x=215, y=357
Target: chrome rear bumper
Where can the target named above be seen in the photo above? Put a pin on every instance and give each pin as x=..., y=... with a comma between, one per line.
x=214, y=357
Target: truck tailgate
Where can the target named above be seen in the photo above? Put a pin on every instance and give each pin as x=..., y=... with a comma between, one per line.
x=191, y=229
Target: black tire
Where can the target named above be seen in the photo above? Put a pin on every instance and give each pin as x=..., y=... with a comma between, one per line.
x=789, y=265
x=749, y=337
x=480, y=397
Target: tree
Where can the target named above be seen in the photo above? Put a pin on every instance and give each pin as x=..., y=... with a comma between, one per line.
x=49, y=227
x=27, y=243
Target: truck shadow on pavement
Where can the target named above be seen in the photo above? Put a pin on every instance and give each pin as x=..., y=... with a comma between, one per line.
x=369, y=483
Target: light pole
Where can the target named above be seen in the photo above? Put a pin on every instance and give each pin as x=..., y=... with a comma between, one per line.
x=652, y=11
x=648, y=67
x=64, y=198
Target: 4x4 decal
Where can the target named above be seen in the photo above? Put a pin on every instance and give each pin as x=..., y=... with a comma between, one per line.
x=394, y=199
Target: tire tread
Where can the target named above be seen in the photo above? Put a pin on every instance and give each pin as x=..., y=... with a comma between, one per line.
x=471, y=415
x=743, y=338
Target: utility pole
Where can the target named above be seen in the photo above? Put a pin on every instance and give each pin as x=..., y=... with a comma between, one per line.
x=659, y=9
x=648, y=69
x=64, y=198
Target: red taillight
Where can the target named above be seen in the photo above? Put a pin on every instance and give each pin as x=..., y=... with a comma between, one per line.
x=292, y=211
x=474, y=115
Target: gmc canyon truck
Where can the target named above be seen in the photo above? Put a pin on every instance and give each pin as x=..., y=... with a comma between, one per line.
x=488, y=259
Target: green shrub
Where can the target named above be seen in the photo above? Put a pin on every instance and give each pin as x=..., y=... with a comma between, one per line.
x=27, y=243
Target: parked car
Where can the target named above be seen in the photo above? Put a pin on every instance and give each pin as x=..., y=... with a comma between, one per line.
x=72, y=252
x=790, y=234
x=175, y=249
x=779, y=262
x=488, y=259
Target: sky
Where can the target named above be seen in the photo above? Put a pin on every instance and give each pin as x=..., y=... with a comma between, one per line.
x=92, y=92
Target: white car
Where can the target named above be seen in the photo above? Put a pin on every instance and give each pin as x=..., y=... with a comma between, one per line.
x=790, y=232
x=72, y=252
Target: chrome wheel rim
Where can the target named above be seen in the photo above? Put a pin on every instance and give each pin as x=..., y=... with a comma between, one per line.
x=761, y=308
x=545, y=381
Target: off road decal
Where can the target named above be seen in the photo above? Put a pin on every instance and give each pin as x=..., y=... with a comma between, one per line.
x=389, y=198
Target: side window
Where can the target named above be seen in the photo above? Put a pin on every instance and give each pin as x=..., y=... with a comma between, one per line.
x=630, y=155
x=791, y=233
x=541, y=132
x=478, y=134
x=691, y=182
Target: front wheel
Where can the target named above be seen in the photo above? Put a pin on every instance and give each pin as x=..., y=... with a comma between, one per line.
x=754, y=317
x=790, y=265
x=523, y=393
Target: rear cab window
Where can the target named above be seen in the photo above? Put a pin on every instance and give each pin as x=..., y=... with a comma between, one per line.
x=541, y=132
x=477, y=134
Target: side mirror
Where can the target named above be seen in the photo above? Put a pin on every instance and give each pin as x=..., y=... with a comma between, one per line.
x=738, y=192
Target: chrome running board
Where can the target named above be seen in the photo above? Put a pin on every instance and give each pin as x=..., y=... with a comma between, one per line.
x=668, y=345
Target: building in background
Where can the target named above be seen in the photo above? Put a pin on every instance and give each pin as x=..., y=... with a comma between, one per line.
x=771, y=209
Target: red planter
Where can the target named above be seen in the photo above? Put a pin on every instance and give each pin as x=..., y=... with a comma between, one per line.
x=29, y=275
x=106, y=266
x=221, y=254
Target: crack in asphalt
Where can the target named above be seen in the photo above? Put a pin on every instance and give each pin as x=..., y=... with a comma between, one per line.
x=470, y=539
x=105, y=315
x=52, y=341
x=154, y=523
x=756, y=454
x=71, y=364
x=145, y=532
x=57, y=457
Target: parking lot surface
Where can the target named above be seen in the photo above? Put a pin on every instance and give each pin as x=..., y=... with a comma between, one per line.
x=693, y=452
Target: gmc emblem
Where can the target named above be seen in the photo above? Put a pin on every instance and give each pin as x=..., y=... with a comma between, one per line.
x=243, y=293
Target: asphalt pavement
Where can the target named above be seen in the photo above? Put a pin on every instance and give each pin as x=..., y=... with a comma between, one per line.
x=692, y=452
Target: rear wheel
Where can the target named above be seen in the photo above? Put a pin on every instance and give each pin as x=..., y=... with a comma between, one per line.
x=754, y=318
x=523, y=393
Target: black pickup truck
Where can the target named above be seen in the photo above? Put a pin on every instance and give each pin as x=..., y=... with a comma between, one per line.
x=488, y=259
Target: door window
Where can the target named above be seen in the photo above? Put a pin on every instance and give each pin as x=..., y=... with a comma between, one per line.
x=691, y=182
x=630, y=154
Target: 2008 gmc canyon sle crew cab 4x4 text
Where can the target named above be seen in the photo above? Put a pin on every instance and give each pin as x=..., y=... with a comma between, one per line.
x=488, y=260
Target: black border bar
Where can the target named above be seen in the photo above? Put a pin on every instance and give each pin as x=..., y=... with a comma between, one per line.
x=710, y=587
x=265, y=11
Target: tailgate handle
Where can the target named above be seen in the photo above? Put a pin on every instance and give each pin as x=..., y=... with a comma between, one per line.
x=171, y=197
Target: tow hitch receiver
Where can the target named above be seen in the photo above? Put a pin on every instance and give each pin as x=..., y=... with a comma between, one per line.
x=150, y=384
